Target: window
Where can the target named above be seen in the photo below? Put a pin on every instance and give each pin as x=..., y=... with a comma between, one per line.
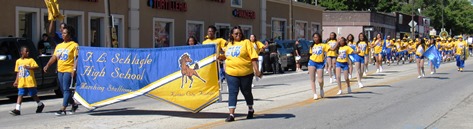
x=27, y=24
x=247, y=30
x=237, y=3
x=315, y=27
x=118, y=35
x=196, y=29
x=400, y=19
x=223, y=30
x=278, y=28
x=96, y=29
x=75, y=19
x=163, y=30
x=300, y=30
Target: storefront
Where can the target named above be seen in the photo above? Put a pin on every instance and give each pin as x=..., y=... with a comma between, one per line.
x=307, y=19
x=28, y=18
x=344, y=23
x=169, y=23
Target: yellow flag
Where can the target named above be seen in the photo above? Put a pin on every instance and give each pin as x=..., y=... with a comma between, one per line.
x=53, y=10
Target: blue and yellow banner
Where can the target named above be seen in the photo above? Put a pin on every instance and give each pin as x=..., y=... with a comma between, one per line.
x=184, y=76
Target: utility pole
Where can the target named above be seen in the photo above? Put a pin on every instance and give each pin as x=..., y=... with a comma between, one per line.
x=109, y=42
x=412, y=23
x=290, y=20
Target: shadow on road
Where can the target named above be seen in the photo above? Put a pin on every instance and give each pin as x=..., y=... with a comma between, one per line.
x=380, y=86
x=378, y=74
x=271, y=85
x=337, y=97
x=365, y=92
x=242, y=100
x=436, y=77
x=372, y=77
x=186, y=114
x=442, y=73
x=467, y=70
x=390, y=71
x=26, y=99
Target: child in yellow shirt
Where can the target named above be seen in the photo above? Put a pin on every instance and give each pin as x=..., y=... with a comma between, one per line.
x=25, y=81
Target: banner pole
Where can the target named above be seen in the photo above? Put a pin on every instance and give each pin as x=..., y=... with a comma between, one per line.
x=219, y=82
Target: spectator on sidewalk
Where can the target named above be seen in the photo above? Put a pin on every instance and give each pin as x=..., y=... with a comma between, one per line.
x=240, y=65
x=259, y=47
x=191, y=41
x=274, y=56
x=297, y=54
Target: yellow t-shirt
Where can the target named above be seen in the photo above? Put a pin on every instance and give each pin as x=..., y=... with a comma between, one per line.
x=66, y=53
x=25, y=77
x=343, y=53
x=449, y=46
x=219, y=42
x=317, y=52
x=398, y=46
x=238, y=58
x=378, y=46
x=363, y=48
x=459, y=46
x=413, y=48
x=404, y=45
x=332, y=44
x=389, y=44
x=257, y=46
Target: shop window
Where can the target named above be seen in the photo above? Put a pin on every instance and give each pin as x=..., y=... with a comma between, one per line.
x=27, y=24
x=300, y=30
x=278, y=29
x=247, y=30
x=237, y=3
x=96, y=32
x=223, y=31
x=315, y=28
x=118, y=35
x=163, y=32
x=196, y=29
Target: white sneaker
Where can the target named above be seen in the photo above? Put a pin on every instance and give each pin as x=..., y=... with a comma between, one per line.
x=377, y=70
x=432, y=72
x=339, y=92
x=380, y=68
x=349, y=90
x=321, y=93
x=419, y=77
x=349, y=76
x=331, y=80
x=252, y=85
x=326, y=72
x=360, y=85
x=364, y=74
x=423, y=74
x=316, y=97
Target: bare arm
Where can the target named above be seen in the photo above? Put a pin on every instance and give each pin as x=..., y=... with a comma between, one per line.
x=51, y=32
x=15, y=84
x=254, y=62
x=50, y=62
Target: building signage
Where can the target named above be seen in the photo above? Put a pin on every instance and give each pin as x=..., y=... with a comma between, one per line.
x=220, y=1
x=168, y=5
x=248, y=14
x=91, y=0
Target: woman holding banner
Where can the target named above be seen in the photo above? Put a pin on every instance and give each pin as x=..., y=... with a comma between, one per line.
x=66, y=56
x=241, y=64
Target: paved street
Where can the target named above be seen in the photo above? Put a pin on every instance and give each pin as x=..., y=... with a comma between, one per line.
x=392, y=99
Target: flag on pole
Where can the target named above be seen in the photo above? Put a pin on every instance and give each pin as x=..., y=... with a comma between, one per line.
x=433, y=54
x=53, y=10
x=383, y=52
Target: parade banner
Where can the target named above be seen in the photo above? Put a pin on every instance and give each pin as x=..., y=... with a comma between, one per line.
x=184, y=76
x=434, y=56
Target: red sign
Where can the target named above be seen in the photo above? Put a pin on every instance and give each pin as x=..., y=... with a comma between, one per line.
x=168, y=5
x=248, y=14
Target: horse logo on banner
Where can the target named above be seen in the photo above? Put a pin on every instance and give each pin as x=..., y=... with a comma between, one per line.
x=186, y=71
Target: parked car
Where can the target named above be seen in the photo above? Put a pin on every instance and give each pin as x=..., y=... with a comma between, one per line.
x=9, y=53
x=285, y=55
x=304, y=52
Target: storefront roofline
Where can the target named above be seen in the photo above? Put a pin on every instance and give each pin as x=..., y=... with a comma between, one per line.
x=354, y=11
x=299, y=4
